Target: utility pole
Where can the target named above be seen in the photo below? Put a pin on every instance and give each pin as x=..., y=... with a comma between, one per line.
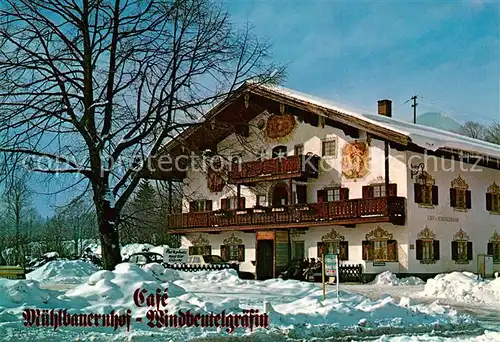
x=414, y=105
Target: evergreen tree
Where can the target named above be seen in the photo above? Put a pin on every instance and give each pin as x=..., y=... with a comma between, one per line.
x=145, y=217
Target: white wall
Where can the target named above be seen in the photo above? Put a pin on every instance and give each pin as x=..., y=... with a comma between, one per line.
x=195, y=186
x=355, y=236
x=312, y=236
x=478, y=223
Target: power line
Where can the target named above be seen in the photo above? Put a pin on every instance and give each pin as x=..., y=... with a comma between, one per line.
x=441, y=105
x=402, y=104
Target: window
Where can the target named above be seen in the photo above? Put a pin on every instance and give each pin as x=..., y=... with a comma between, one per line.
x=200, y=250
x=332, y=247
x=298, y=150
x=379, y=190
x=461, y=248
x=493, y=198
x=425, y=191
x=427, y=249
x=300, y=196
x=261, y=200
x=215, y=181
x=495, y=203
x=333, y=243
x=298, y=250
x=494, y=248
x=200, y=205
x=460, y=196
x=380, y=250
x=379, y=246
x=279, y=151
x=332, y=195
x=329, y=148
x=232, y=249
x=231, y=203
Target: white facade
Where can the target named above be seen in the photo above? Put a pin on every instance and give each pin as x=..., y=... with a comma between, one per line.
x=195, y=185
x=443, y=220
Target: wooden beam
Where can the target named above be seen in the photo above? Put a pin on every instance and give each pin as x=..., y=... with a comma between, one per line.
x=340, y=222
x=333, y=114
x=386, y=156
x=238, y=195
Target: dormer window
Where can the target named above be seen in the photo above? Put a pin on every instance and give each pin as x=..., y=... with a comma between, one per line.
x=426, y=193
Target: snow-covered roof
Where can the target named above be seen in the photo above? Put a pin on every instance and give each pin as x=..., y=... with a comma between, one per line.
x=424, y=136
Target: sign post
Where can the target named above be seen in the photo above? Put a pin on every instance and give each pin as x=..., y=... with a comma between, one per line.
x=331, y=269
x=175, y=256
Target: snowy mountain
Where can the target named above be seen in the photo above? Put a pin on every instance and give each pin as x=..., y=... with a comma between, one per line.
x=439, y=120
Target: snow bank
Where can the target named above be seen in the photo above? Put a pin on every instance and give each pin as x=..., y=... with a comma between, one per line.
x=463, y=287
x=17, y=293
x=389, y=278
x=105, y=288
x=296, y=311
x=63, y=272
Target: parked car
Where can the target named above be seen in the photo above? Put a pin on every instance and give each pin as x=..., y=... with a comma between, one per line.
x=143, y=258
x=205, y=259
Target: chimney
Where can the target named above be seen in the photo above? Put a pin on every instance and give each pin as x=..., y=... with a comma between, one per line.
x=385, y=108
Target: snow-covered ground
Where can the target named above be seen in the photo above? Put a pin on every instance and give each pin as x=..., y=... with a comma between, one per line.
x=463, y=287
x=389, y=278
x=390, y=310
x=63, y=272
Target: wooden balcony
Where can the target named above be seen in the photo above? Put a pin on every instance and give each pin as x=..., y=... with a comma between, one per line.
x=350, y=212
x=295, y=167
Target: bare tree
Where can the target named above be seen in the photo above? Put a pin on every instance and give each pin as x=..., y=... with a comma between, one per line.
x=17, y=201
x=92, y=88
x=79, y=223
x=474, y=130
x=493, y=133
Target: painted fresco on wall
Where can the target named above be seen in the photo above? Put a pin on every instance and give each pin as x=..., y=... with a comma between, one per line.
x=355, y=160
x=280, y=127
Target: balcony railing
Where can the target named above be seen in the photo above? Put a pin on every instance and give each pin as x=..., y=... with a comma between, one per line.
x=384, y=209
x=300, y=166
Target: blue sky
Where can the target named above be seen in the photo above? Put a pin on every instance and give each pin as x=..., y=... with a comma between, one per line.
x=358, y=52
